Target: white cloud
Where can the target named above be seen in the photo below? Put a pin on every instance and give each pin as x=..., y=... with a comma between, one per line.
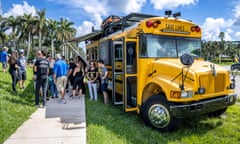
x=168, y=4
x=85, y=28
x=236, y=10
x=19, y=9
x=212, y=27
x=229, y=30
x=237, y=34
x=132, y=5
x=97, y=10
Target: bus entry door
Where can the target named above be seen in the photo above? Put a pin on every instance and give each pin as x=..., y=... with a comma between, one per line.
x=130, y=99
x=118, y=73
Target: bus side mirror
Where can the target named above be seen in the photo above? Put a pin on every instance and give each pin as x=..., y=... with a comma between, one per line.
x=187, y=59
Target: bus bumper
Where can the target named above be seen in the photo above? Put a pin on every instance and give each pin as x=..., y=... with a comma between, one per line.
x=207, y=106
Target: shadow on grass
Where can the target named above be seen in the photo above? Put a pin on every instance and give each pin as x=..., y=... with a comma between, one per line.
x=131, y=128
x=25, y=97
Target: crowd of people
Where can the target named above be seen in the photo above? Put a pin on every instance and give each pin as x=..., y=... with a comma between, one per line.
x=54, y=76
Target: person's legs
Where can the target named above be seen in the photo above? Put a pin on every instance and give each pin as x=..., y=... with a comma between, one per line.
x=4, y=66
x=95, y=90
x=90, y=90
x=105, y=94
x=37, y=91
x=24, y=77
x=51, y=86
x=20, y=74
x=44, y=88
x=61, y=84
x=75, y=84
x=14, y=80
x=55, y=90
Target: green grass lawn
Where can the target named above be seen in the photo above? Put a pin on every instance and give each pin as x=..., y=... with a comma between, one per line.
x=107, y=124
x=14, y=108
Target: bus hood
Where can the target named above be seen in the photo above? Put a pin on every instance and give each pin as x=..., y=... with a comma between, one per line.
x=174, y=66
x=201, y=74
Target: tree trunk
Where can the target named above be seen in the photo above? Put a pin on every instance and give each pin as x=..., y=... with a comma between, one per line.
x=52, y=47
x=29, y=45
x=40, y=40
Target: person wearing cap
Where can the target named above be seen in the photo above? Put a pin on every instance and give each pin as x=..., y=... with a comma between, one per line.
x=4, y=59
x=22, y=64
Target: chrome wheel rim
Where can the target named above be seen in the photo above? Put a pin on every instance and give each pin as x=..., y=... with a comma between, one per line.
x=159, y=115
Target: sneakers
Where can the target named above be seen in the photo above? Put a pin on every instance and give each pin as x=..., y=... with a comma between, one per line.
x=64, y=101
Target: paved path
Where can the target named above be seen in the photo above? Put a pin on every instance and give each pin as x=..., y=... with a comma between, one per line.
x=56, y=124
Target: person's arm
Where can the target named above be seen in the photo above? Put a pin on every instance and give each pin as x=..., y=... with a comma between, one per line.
x=7, y=58
x=105, y=74
x=70, y=72
x=48, y=69
x=55, y=73
x=83, y=71
x=96, y=77
x=75, y=71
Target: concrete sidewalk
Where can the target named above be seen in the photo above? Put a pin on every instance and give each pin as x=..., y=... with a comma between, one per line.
x=56, y=124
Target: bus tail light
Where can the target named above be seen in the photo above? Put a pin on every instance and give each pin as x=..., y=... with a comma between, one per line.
x=153, y=24
x=195, y=29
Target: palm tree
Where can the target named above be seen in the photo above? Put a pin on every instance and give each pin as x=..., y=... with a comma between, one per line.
x=221, y=36
x=28, y=26
x=13, y=24
x=3, y=28
x=52, y=32
x=41, y=23
x=65, y=32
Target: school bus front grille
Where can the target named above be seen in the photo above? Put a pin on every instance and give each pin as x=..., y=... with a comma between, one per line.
x=212, y=84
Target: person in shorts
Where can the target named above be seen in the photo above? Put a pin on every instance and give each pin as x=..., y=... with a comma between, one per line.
x=4, y=59
x=60, y=70
x=22, y=64
x=104, y=80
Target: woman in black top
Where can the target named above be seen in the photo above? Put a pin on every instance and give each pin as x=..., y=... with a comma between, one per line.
x=13, y=69
x=78, y=73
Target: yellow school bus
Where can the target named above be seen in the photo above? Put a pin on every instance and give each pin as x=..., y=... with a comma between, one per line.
x=155, y=68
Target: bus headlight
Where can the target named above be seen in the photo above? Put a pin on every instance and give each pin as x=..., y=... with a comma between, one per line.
x=186, y=94
x=181, y=94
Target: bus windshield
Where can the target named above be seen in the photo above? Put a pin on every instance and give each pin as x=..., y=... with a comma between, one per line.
x=154, y=46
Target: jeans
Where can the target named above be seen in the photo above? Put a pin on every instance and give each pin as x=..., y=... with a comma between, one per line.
x=92, y=86
x=14, y=79
x=41, y=83
x=53, y=87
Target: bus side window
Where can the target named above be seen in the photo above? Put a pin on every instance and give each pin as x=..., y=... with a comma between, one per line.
x=131, y=57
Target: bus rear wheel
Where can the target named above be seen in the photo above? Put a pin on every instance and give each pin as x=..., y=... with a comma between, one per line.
x=155, y=113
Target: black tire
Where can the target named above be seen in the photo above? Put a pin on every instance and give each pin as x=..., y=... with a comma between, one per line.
x=217, y=113
x=156, y=114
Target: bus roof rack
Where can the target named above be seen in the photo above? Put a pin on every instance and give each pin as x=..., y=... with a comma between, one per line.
x=121, y=23
x=111, y=26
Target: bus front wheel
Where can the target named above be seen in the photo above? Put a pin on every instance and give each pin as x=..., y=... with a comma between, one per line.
x=155, y=113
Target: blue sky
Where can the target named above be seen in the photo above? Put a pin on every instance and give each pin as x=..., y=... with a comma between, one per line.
x=214, y=16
